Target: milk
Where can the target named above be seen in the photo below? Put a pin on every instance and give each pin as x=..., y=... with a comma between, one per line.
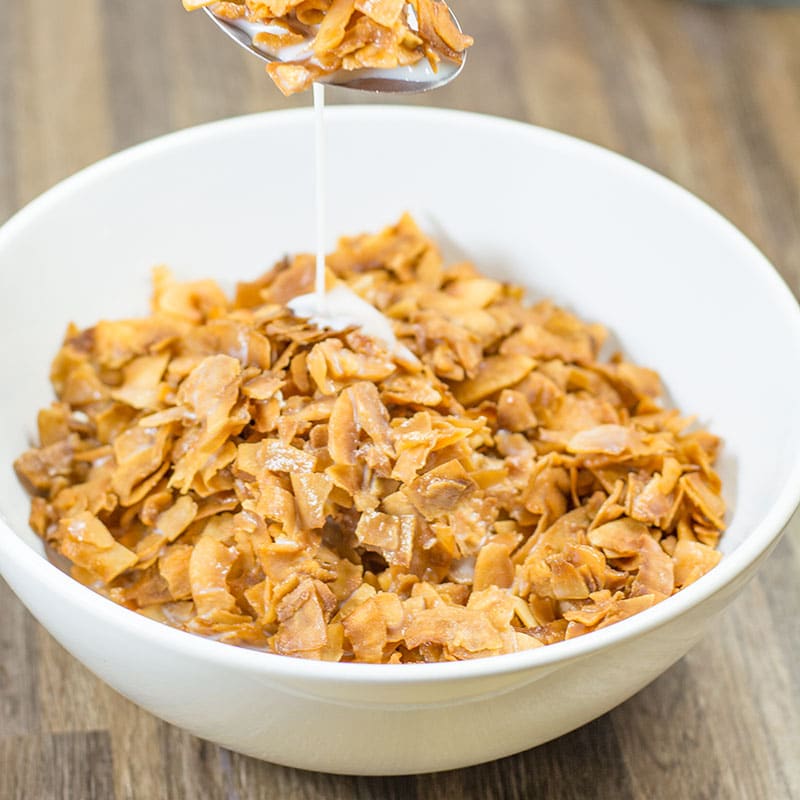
x=339, y=308
x=321, y=189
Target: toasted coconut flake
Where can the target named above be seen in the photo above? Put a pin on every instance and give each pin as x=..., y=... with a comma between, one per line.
x=343, y=431
x=276, y=456
x=391, y=536
x=311, y=493
x=39, y=470
x=708, y=502
x=139, y=453
x=693, y=560
x=375, y=626
x=142, y=386
x=172, y=522
x=627, y=608
x=463, y=633
x=174, y=569
x=620, y=538
x=209, y=565
x=372, y=416
x=547, y=491
x=656, y=574
x=303, y=631
x=651, y=504
x=88, y=543
x=209, y=394
x=613, y=440
x=514, y=412
x=493, y=374
x=493, y=567
x=440, y=490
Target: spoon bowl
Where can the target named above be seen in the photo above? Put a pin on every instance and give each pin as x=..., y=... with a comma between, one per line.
x=414, y=79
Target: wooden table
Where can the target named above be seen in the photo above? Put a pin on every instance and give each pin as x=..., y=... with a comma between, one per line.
x=706, y=95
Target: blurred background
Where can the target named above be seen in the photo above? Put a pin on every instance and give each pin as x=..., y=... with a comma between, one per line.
x=705, y=93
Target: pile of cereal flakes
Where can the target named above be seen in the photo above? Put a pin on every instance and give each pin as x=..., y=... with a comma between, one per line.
x=233, y=471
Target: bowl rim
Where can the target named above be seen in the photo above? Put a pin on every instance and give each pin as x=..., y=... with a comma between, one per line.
x=757, y=543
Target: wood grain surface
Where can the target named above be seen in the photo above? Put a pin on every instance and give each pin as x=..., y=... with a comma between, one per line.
x=709, y=96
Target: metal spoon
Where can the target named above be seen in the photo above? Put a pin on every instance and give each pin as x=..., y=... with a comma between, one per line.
x=401, y=80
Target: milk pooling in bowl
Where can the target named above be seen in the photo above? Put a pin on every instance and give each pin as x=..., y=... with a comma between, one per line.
x=341, y=308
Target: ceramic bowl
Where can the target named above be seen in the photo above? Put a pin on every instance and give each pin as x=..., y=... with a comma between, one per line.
x=680, y=288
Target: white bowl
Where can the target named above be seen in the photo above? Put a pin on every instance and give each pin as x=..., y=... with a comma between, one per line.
x=679, y=286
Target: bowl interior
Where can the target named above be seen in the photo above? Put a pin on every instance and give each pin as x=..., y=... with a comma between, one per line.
x=680, y=289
